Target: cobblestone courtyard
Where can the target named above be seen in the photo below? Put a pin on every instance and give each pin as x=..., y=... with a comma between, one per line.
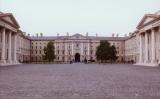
x=79, y=81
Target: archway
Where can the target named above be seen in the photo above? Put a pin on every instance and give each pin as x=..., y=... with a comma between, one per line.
x=77, y=57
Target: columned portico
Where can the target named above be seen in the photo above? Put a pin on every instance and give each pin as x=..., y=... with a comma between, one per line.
x=149, y=38
x=148, y=60
x=9, y=30
x=6, y=49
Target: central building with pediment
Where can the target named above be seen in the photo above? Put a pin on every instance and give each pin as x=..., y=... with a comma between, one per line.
x=75, y=47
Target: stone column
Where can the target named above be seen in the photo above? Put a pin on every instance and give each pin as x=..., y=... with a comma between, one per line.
x=141, y=50
x=82, y=48
x=153, y=46
x=55, y=48
x=88, y=50
x=72, y=49
x=158, y=44
x=15, y=49
x=9, y=47
x=3, y=57
x=66, y=50
x=82, y=51
x=146, y=47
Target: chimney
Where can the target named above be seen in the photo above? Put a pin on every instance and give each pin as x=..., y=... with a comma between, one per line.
x=87, y=34
x=96, y=34
x=113, y=35
x=67, y=34
x=28, y=35
x=57, y=34
x=130, y=34
x=125, y=35
x=36, y=34
x=41, y=34
x=117, y=35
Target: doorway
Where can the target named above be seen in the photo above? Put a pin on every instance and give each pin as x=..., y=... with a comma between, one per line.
x=77, y=57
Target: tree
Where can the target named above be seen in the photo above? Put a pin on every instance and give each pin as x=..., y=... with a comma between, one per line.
x=49, y=52
x=113, y=54
x=106, y=52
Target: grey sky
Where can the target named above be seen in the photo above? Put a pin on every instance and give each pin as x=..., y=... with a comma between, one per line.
x=79, y=16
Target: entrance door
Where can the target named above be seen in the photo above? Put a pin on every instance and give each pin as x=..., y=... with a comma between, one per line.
x=77, y=57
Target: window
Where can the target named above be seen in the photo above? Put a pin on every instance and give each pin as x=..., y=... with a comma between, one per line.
x=40, y=52
x=58, y=51
x=77, y=45
x=91, y=52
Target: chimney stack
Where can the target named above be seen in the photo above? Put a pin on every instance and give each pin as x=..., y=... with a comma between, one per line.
x=36, y=34
x=57, y=34
x=28, y=35
x=117, y=35
x=87, y=34
x=125, y=35
x=113, y=35
x=96, y=34
x=41, y=34
x=67, y=34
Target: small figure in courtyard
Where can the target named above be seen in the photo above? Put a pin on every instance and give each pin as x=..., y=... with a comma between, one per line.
x=85, y=61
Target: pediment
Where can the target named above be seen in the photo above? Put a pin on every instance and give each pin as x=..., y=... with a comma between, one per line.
x=78, y=36
x=146, y=19
x=9, y=19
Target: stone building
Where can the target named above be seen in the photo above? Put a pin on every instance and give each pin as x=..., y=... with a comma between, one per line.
x=149, y=39
x=23, y=48
x=14, y=45
x=132, y=47
x=76, y=47
x=142, y=46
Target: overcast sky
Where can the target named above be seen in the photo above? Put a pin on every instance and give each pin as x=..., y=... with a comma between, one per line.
x=79, y=16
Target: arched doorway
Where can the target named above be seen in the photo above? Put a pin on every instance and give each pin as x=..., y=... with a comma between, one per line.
x=77, y=57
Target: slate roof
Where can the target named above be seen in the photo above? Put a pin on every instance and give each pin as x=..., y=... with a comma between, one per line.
x=43, y=38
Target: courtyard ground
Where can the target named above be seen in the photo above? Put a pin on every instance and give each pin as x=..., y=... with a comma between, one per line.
x=79, y=81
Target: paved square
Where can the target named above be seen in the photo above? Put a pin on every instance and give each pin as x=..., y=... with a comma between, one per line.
x=79, y=81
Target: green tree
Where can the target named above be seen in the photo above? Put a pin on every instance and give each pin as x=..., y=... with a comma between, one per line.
x=106, y=52
x=113, y=54
x=49, y=52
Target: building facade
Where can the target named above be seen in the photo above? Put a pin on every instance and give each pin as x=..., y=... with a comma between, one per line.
x=14, y=45
x=132, y=48
x=69, y=48
x=142, y=46
x=149, y=39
